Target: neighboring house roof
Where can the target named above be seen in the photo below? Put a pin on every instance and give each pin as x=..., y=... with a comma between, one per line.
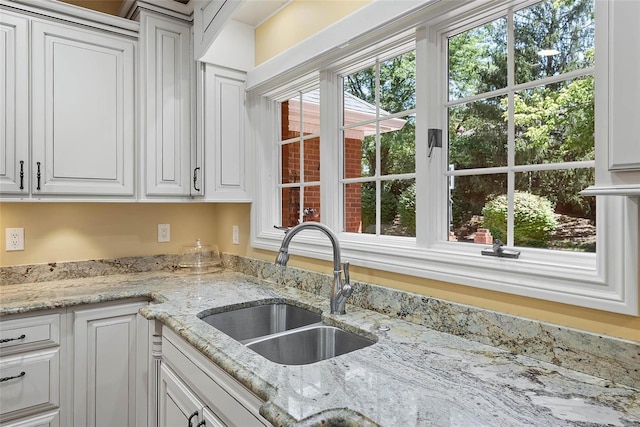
x=356, y=111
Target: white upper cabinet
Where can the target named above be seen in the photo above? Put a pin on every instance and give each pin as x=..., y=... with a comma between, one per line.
x=223, y=121
x=14, y=104
x=167, y=77
x=624, y=85
x=617, y=99
x=83, y=111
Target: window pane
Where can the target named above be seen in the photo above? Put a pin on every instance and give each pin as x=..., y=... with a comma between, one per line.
x=359, y=102
x=290, y=162
x=468, y=197
x=555, y=123
x=551, y=213
x=398, y=146
x=398, y=84
x=312, y=160
x=359, y=156
x=404, y=224
x=311, y=112
x=478, y=60
x=311, y=209
x=360, y=207
x=552, y=38
x=290, y=206
x=478, y=134
x=290, y=119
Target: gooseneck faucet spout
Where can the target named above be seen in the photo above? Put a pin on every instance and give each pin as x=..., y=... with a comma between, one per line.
x=340, y=290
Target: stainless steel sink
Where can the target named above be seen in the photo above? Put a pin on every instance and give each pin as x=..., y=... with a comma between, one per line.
x=248, y=323
x=309, y=345
x=285, y=333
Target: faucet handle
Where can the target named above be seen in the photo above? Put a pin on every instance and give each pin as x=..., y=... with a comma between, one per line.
x=345, y=268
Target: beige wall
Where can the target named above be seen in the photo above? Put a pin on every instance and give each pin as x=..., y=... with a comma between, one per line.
x=57, y=232
x=76, y=231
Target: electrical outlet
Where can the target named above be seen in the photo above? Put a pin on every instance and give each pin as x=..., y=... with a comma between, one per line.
x=236, y=235
x=164, y=233
x=15, y=239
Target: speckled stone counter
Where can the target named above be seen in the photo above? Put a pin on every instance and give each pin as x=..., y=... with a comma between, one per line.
x=413, y=375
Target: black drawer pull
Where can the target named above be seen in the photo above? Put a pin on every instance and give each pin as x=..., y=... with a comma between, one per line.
x=202, y=423
x=195, y=414
x=22, y=174
x=21, y=337
x=22, y=374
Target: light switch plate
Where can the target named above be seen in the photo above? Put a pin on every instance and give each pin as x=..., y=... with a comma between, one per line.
x=15, y=239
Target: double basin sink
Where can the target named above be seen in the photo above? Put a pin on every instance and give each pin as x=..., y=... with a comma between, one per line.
x=285, y=333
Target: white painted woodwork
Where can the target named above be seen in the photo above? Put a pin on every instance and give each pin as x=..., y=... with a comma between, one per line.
x=38, y=332
x=225, y=397
x=167, y=84
x=14, y=103
x=177, y=403
x=624, y=85
x=210, y=419
x=105, y=374
x=83, y=111
x=37, y=389
x=48, y=419
x=210, y=17
x=233, y=48
x=224, y=135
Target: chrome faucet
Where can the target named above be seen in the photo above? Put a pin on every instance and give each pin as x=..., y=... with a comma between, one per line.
x=340, y=290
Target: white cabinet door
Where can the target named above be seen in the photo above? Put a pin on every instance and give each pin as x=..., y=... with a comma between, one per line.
x=624, y=85
x=178, y=405
x=167, y=76
x=105, y=372
x=14, y=103
x=83, y=111
x=224, y=135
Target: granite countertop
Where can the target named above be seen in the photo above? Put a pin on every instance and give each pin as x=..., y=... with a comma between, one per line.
x=413, y=375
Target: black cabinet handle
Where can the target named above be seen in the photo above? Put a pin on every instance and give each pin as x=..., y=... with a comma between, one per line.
x=22, y=374
x=202, y=423
x=195, y=178
x=21, y=337
x=38, y=175
x=195, y=414
x=22, y=174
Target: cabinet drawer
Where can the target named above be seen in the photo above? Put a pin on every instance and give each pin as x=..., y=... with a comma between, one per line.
x=29, y=333
x=212, y=392
x=30, y=382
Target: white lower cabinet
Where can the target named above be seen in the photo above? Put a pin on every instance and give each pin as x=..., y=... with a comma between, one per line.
x=104, y=369
x=195, y=392
x=30, y=369
x=179, y=406
x=86, y=366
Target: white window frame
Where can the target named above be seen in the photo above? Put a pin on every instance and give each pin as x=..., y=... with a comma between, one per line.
x=606, y=281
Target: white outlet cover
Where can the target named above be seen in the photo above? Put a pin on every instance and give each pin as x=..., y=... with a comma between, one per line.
x=15, y=239
x=164, y=233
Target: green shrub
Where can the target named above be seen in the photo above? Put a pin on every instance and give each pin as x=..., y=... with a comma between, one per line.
x=533, y=219
x=407, y=209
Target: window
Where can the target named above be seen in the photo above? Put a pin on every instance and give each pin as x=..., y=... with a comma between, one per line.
x=378, y=151
x=343, y=138
x=300, y=158
x=521, y=128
